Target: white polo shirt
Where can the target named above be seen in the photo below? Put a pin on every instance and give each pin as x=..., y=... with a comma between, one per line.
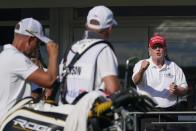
x=15, y=68
x=156, y=81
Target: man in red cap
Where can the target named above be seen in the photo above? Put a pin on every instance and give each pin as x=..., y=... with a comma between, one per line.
x=161, y=78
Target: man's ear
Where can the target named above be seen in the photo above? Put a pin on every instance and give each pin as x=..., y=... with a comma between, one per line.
x=109, y=29
x=86, y=26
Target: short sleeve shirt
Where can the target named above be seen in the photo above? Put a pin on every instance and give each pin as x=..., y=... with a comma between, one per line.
x=99, y=59
x=15, y=68
x=156, y=81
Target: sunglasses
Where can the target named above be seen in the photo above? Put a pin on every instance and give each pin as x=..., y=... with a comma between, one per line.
x=157, y=46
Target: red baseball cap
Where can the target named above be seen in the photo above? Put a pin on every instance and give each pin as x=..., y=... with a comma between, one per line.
x=157, y=39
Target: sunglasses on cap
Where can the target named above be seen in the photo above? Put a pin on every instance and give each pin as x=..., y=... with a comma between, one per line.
x=155, y=46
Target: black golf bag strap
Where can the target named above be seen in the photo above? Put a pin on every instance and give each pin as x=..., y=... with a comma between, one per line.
x=77, y=56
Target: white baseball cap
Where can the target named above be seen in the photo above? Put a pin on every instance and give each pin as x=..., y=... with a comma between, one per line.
x=31, y=27
x=101, y=14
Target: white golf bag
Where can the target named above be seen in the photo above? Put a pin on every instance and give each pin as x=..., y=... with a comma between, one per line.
x=92, y=112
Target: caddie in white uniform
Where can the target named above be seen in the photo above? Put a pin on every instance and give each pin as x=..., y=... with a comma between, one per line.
x=161, y=78
x=97, y=67
x=16, y=68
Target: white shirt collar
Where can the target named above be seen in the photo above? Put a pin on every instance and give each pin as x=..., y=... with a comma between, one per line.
x=6, y=46
x=9, y=46
x=153, y=65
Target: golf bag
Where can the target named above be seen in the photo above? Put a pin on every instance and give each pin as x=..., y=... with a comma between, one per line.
x=93, y=112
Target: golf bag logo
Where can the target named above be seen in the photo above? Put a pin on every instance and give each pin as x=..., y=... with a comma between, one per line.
x=26, y=124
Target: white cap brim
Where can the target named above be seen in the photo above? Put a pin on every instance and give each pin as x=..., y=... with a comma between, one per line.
x=42, y=38
x=115, y=22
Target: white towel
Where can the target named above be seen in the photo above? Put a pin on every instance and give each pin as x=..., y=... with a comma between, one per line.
x=77, y=120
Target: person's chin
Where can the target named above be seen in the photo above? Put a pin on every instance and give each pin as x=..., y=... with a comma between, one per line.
x=159, y=57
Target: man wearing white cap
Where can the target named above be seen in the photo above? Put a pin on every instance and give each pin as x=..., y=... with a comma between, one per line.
x=97, y=67
x=160, y=77
x=17, y=70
